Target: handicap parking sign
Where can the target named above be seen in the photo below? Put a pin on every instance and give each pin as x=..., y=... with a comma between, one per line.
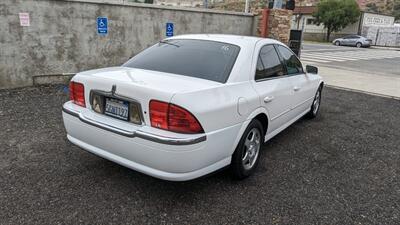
x=102, y=25
x=169, y=30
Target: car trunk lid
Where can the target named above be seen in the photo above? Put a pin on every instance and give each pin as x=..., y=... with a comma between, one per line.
x=139, y=85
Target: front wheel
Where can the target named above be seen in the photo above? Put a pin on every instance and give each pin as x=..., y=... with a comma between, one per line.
x=245, y=158
x=337, y=43
x=358, y=45
x=316, y=104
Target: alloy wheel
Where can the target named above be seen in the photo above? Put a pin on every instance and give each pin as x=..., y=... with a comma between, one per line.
x=252, y=146
x=316, y=102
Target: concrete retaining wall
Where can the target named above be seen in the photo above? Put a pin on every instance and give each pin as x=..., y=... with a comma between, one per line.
x=62, y=37
x=321, y=37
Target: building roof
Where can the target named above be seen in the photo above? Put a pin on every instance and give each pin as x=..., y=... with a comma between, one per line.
x=304, y=10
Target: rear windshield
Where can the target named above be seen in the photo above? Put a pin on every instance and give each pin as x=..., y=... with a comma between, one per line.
x=208, y=60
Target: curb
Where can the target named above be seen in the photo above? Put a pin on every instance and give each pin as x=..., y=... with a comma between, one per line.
x=363, y=92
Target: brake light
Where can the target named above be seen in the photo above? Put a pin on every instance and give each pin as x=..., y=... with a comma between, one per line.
x=77, y=93
x=159, y=114
x=173, y=118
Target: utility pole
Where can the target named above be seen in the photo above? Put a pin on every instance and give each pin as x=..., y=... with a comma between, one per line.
x=246, y=7
x=205, y=4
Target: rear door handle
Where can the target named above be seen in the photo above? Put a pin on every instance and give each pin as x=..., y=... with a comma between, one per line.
x=268, y=99
x=296, y=88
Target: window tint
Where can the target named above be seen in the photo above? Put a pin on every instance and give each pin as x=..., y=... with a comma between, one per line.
x=293, y=64
x=268, y=64
x=351, y=37
x=208, y=60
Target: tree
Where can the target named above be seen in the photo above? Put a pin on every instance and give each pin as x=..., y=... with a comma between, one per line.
x=336, y=14
x=396, y=10
x=371, y=7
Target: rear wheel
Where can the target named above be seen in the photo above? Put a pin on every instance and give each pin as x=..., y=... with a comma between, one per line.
x=246, y=156
x=358, y=45
x=337, y=43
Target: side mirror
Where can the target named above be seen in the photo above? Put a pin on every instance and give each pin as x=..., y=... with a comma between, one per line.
x=311, y=69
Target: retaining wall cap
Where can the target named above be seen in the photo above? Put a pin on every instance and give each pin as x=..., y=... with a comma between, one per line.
x=145, y=5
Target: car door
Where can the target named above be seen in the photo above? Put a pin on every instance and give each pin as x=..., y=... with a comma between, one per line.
x=273, y=86
x=353, y=40
x=302, y=84
x=346, y=40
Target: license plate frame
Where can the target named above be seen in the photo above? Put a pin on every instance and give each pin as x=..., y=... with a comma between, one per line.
x=116, y=108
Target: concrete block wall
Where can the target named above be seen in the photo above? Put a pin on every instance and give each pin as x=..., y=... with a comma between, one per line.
x=279, y=24
x=321, y=37
x=274, y=23
x=62, y=37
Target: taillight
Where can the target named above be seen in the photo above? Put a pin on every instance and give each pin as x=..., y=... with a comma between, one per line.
x=159, y=114
x=77, y=93
x=173, y=118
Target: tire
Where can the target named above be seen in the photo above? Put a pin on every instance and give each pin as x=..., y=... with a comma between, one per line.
x=337, y=43
x=316, y=104
x=359, y=45
x=246, y=156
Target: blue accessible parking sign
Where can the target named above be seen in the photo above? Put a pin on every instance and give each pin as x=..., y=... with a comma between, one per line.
x=102, y=25
x=169, y=30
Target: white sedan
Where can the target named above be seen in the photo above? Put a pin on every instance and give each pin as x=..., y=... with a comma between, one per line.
x=192, y=104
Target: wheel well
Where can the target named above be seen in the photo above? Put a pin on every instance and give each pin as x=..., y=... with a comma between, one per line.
x=321, y=85
x=263, y=120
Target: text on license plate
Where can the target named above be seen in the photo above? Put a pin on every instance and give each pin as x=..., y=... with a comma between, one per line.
x=117, y=108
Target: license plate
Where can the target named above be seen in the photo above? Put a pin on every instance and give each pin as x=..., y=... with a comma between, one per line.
x=117, y=108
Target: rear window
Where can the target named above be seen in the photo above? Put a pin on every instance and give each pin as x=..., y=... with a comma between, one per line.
x=208, y=60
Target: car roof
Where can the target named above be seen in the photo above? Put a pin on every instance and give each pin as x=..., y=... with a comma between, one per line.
x=241, y=41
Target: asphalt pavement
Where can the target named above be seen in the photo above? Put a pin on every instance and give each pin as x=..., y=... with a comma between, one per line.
x=341, y=168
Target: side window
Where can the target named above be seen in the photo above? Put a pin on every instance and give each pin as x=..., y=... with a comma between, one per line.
x=268, y=64
x=351, y=37
x=293, y=64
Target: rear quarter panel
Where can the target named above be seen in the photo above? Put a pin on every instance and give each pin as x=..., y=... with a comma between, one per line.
x=218, y=108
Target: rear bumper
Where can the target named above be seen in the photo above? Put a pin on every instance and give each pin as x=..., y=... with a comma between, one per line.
x=168, y=158
x=137, y=133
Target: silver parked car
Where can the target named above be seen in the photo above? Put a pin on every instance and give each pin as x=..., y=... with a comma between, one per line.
x=353, y=40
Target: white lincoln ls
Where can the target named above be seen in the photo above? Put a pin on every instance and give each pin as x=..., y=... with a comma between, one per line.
x=191, y=104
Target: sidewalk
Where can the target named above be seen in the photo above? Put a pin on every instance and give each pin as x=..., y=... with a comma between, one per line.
x=386, y=48
x=376, y=84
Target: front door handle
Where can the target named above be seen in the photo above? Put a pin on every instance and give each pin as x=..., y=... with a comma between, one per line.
x=296, y=88
x=268, y=99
